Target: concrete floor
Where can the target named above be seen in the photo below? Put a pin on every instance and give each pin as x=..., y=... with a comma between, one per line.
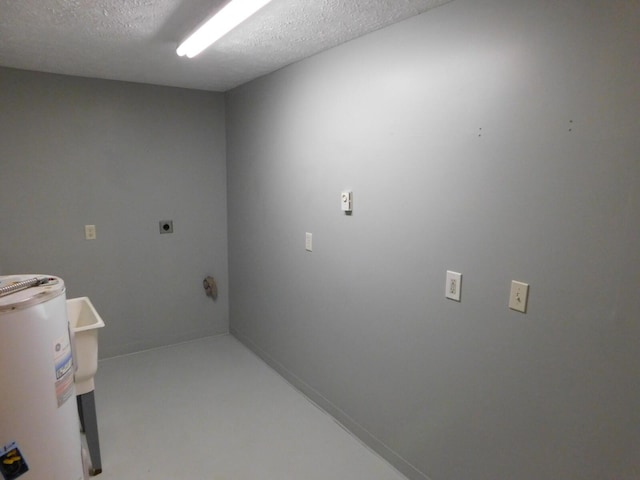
x=211, y=409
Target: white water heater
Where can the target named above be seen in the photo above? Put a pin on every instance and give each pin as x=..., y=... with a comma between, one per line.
x=39, y=424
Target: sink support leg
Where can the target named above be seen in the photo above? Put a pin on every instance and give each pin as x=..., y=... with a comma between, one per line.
x=89, y=422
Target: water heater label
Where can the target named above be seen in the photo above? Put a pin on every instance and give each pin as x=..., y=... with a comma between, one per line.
x=12, y=462
x=63, y=361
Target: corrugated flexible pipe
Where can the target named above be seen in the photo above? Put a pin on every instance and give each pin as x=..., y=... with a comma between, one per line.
x=19, y=286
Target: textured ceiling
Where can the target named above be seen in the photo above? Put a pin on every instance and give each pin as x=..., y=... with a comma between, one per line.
x=135, y=40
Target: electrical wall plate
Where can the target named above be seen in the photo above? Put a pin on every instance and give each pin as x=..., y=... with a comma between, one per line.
x=308, y=242
x=166, y=226
x=518, y=296
x=90, y=232
x=453, y=285
x=346, y=201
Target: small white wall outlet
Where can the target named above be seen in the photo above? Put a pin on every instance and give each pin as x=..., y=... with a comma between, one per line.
x=308, y=242
x=519, y=296
x=89, y=232
x=453, y=285
x=346, y=201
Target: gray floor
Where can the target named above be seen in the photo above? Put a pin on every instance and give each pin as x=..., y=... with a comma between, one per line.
x=211, y=409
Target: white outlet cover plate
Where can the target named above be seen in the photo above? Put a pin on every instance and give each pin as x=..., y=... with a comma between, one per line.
x=519, y=296
x=453, y=285
x=308, y=242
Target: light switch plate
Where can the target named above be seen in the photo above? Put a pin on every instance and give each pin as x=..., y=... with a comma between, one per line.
x=308, y=242
x=346, y=201
x=453, y=285
x=519, y=296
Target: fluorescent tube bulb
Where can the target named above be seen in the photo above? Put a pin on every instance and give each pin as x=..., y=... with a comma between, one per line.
x=233, y=14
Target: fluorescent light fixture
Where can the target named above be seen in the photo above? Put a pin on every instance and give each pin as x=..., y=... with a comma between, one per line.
x=233, y=14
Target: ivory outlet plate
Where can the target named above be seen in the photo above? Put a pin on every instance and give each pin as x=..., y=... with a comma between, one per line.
x=90, y=232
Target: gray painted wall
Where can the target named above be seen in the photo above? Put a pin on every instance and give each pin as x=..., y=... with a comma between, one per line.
x=497, y=138
x=122, y=156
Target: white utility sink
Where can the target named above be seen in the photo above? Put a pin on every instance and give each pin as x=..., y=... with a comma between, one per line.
x=84, y=321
